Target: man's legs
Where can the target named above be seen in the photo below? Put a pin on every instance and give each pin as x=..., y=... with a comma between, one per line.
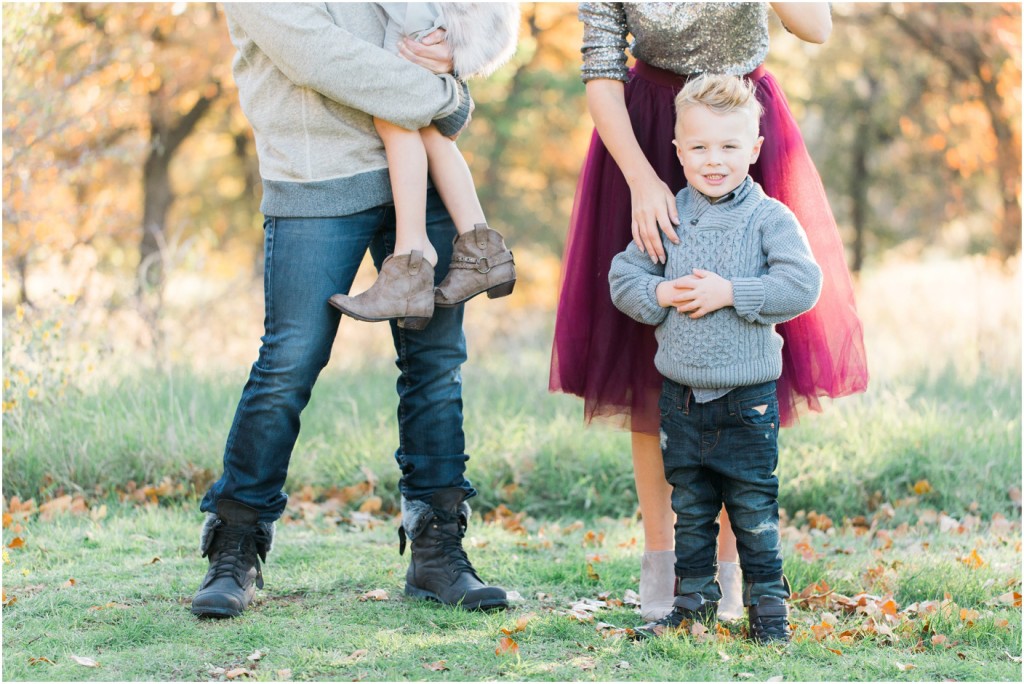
x=306, y=261
x=431, y=452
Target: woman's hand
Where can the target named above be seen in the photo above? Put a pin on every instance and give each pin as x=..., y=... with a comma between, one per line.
x=431, y=53
x=654, y=212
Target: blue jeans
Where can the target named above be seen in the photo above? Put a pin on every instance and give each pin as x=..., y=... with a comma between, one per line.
x=306, y=261
x=724, y=451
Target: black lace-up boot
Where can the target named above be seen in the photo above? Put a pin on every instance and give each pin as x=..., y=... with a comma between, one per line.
x=235, y=542
x=686, y=609
x=439, y=569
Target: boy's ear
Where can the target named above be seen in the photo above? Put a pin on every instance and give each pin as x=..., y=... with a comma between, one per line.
x=756, y=151
x=679, y=150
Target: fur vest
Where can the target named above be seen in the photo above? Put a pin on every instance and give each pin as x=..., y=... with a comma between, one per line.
x=482, y=35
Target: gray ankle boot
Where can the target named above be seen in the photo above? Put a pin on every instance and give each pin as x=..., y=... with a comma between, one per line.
x=404, y=289
x=235, y=542
x=657, y=584
x=480, y=263
x=439, y=569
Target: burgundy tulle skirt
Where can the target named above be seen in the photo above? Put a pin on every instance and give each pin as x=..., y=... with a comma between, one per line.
x=607, y=358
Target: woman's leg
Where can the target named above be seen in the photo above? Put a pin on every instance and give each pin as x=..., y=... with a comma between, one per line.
x=453, y=180
x=654, y=493
x=407, y=169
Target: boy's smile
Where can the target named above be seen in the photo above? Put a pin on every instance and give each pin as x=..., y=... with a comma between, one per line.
x=716, y=150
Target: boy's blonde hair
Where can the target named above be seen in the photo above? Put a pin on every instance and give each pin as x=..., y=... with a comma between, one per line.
x=721, y=94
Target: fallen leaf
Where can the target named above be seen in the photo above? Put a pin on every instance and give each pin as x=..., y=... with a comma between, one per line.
x=84, y=662
x=111, y=604
x=973, y=560
x=623, y=665
x=903, y=668
x=255, y=655
x=156, y=559
x=284, y=675
x=16, y=543
x=437, y=666
x=836, y=651
x=591, y=573
x=506, y=646
x=922, y=487
x=354, y=656
x=520, y=624
x=39, y=661
x=631, y=598
x=1013, y=492
x=938, y=639
x=514, y=596
x=238, y=672
x=372, y=505
x=71, y=582
x=61, y=504
x=375, y=595
x=969, y=616
x=8, y=519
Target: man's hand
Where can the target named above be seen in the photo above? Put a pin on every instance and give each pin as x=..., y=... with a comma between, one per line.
x=701, y=293
x=431, y=53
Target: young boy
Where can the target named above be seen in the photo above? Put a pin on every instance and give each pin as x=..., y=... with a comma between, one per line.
x=742, y=265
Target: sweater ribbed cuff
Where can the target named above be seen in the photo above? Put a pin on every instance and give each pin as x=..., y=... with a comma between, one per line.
x=747, y=297
x=453, y=123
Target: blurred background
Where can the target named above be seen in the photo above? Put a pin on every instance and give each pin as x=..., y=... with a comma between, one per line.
x=132, y=241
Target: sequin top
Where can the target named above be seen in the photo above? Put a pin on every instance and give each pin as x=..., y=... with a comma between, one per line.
x=683, y=37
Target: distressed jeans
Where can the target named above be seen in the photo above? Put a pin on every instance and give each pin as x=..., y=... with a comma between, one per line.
x=724, y=451
x=306, y=261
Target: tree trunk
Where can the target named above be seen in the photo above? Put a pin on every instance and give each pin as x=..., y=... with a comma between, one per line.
x=165, y=139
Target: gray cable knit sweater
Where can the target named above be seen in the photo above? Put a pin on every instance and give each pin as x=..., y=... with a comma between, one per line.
x=753, y=241
x=311, y=77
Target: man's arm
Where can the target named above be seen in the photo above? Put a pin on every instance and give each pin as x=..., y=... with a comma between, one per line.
x=302, y=40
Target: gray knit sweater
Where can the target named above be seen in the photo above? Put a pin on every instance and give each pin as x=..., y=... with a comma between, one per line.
x=311, y=77
x=755, y=242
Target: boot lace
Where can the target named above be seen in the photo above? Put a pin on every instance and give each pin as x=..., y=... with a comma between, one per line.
x=237, y=551
x=450, y=544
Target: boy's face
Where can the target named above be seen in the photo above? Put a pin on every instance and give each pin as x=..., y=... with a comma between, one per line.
x=716, y=150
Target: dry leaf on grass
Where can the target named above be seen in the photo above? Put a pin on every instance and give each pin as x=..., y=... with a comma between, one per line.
x=507, y=646
x=354, y=656
x=904, y=668
x=85, y=662
x=40, y=660
x=437, y=666
x=16, y=543
x=375, y=595
x=255, y=655
x=238, y=672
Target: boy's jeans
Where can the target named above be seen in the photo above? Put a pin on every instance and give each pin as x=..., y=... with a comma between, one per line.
x=724, y=450
x=306, y=261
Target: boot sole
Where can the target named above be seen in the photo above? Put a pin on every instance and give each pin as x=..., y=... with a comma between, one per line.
x=405, y=322
x=217, y=613
x=499, y=290
x=483, y=604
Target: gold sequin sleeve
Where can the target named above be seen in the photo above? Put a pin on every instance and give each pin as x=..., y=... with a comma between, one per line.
x=604, y=40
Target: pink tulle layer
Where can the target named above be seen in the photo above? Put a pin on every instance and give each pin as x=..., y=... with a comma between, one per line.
x=607, y=358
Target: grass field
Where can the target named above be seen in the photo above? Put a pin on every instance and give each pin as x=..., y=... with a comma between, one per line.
x=910, y=492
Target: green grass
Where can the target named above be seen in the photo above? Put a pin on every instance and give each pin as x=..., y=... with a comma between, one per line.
x=129, y=612
x=962, y=436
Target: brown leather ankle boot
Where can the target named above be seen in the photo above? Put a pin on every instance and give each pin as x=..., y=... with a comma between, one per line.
x=480, y=263
x=404, y=289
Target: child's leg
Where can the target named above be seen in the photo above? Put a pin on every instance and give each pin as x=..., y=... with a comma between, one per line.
x=654, y=493
x=453, y=180
x=407, y=169
x=481, y=262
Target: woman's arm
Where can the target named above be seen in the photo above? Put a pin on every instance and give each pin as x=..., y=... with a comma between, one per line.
x=654, y=205
x=809, y=21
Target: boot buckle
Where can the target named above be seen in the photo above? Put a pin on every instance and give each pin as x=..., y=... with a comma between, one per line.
x=481, y=263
